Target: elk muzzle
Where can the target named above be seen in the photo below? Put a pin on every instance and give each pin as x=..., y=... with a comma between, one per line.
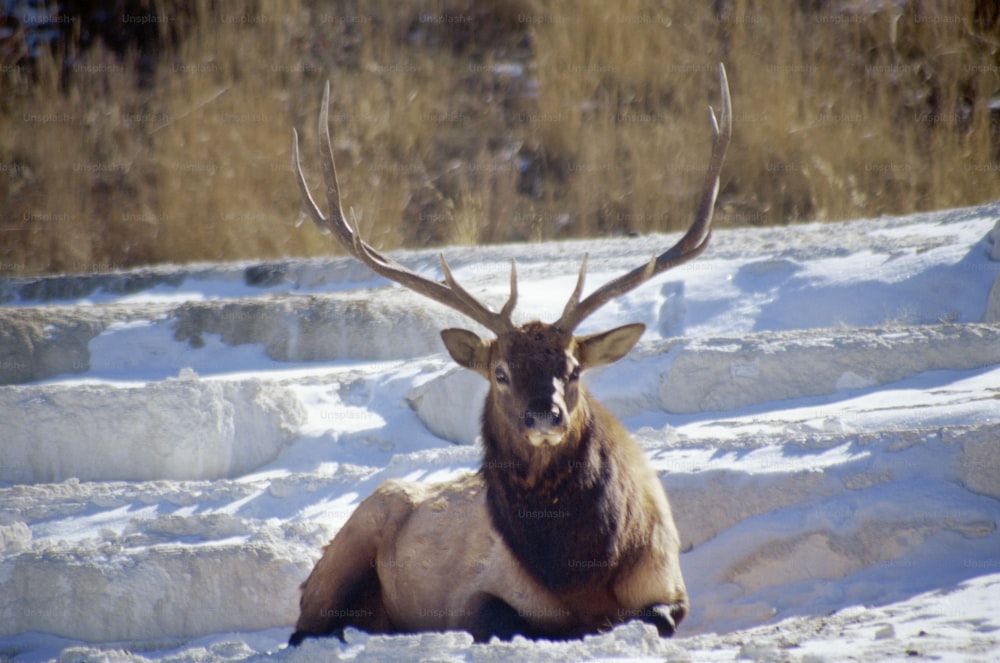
x=544, y=422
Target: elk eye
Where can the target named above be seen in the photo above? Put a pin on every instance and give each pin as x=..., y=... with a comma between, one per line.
x=501, y=375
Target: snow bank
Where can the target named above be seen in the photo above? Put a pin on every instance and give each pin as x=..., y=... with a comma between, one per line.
x=993, y=303
x=176, y=429
x=450, y=404
x=196, y=281
x=35, y=345
x=633, y=642
x=834, y=476
x=699, y=375
x=727, y=373
x=397, y=324
x=798, y=526
x=39, y=344
x=112, y=592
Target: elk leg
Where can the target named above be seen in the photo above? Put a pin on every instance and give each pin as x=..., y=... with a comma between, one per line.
x=344, y=588
x=361, y=607
x=496, y=617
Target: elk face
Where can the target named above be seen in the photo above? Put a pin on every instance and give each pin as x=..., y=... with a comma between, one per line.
x=534, y=374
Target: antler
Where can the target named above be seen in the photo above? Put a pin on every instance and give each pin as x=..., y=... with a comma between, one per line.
x=449, y=293
x=688, y=247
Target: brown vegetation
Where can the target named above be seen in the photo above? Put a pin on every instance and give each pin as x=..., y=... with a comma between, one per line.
x=482, y=121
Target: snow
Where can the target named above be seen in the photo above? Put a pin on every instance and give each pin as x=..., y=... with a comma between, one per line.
x=819, y=400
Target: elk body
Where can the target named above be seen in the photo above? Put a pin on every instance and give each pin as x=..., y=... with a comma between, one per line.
x=565, y=530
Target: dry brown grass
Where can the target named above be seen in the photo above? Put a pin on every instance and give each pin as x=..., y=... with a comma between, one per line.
x=869, y=112
x=624, y=89
x=112, y=175
x=842, y=110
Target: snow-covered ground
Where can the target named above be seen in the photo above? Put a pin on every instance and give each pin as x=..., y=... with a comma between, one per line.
x=822, y=403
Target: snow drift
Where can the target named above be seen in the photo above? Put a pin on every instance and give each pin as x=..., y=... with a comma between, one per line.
x=182, y=428
x=177, y=444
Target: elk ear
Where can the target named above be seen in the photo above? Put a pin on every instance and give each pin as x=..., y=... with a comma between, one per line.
x=468, y=350
x=607, y=347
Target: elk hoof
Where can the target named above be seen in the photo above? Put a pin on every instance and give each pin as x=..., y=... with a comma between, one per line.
x=661, y=616
x=299, y=636
x=498, y=618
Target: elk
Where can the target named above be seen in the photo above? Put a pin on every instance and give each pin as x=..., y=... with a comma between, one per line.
x=565, y=530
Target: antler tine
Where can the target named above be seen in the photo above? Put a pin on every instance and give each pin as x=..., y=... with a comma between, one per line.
x=574, y=299
x=450, y=293
x=508, y=308
x=466, y=297
x=691, y=245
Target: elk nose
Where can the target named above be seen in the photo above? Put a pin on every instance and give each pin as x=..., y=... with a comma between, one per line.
x=543, y=416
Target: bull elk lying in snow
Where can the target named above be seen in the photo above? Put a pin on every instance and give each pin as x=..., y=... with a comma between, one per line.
x=565, y=530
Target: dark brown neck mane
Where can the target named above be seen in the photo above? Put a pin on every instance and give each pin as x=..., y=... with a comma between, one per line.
x=561, y=510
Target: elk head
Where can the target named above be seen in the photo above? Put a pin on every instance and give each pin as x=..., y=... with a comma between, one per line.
x=534, y=375
x=533, y=369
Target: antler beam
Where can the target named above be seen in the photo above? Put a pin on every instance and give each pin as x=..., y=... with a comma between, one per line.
x=689, y=246
x=449, y=293
x=452, y=294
